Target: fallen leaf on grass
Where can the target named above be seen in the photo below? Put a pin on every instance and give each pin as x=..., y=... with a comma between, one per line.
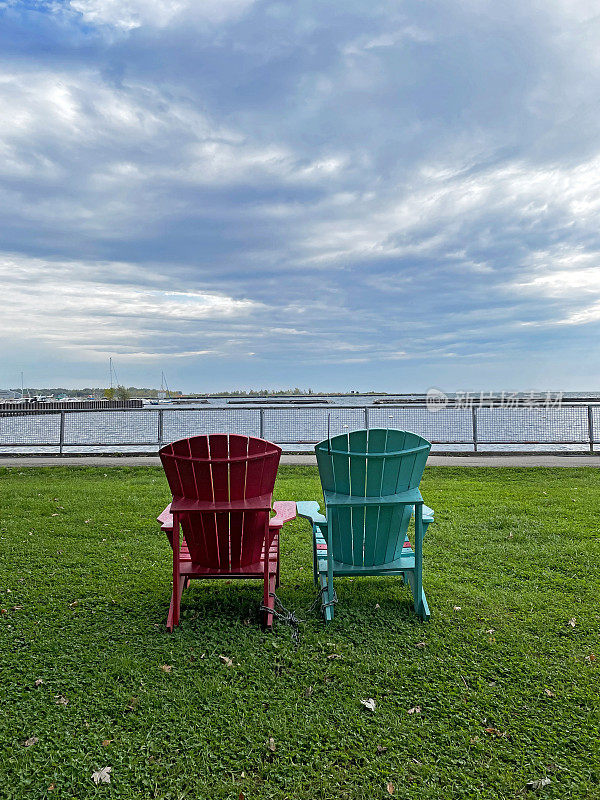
x=548, y=692
x=51, y=788
x=381, y=748
x=106, y=742
x=133, y=701
x=390, y=788
x=30, y=741
x=38, y=682
x=166, y=667
x=102, y=775
x=572, y=622
x=74, y=603
x=457, y=608
x=16, y=608
x=591, y=657
x=376, y=607
x=271, y=744
x=60, y=700
x=331, y=656
x=241, y=796
x=421, y=645
x=369, y=704
x=414, y=710
x=225, y=660
x=533, y=786
x=308, y=691
x=54, y=515
x=496, y=732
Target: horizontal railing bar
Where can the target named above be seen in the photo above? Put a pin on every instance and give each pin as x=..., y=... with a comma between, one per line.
x=291, y=441
x=79, y=444
x=372, y=409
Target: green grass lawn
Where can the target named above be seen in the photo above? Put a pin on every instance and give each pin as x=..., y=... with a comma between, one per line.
x=507, y=688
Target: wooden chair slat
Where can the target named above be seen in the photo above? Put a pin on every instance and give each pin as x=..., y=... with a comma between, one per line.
x=223, y=542
x=219, y=449
x=238, y=454
x=255, y=467
x=236, y=528
x=376, y=444
x=341, y=470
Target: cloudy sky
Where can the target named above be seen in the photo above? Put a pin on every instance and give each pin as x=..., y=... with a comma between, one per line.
x=342, y=195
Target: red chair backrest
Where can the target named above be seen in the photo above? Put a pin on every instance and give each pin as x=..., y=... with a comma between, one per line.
x=222, y=468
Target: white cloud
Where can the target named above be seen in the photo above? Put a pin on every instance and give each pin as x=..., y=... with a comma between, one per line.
x=106, y=153
x=567, y=283
x=443, y=200
x=570, y=278
x=69, y=305
x=127, y=15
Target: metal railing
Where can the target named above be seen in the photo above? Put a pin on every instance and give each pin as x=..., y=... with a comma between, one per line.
x=147, y=429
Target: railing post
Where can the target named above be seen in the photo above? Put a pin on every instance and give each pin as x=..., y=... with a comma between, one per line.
x=61, y=438
x=366, y=418
x=474, y=416
x=160, y=427
x=262, y=423
x=591, y=428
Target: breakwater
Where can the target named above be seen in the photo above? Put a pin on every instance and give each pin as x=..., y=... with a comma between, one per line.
x=13, y=407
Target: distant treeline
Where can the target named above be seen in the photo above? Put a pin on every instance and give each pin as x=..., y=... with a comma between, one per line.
x=137, y=391
x=257, y=392
x=278, y=392
x=97, y=391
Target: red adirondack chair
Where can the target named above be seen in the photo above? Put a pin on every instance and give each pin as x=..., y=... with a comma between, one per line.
x=222, y=488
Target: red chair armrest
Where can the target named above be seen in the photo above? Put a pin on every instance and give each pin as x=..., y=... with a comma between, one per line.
x=285, y=510
x=165, y=518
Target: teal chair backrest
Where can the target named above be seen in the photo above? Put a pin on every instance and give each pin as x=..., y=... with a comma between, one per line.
x=372, y=463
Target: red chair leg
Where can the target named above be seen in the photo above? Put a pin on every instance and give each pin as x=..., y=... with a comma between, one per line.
x=175, y=604
x=178, y=581
x=268, y=592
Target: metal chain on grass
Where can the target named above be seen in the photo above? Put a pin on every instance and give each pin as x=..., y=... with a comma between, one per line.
x=288, y=617
x=285, y=616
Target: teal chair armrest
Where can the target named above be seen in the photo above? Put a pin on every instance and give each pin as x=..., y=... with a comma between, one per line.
x=427, y=513
x=309, y=509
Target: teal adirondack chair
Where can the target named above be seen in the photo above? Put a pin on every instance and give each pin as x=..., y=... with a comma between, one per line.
x=370, y=481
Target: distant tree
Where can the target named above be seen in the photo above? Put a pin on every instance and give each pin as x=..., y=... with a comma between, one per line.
x=122, y=393
x=109, y=394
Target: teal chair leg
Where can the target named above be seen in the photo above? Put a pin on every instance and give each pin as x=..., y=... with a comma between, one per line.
x=323, y=577
x=419, y=600
x=315, y=563
x=326, y=598
x=328, y=603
